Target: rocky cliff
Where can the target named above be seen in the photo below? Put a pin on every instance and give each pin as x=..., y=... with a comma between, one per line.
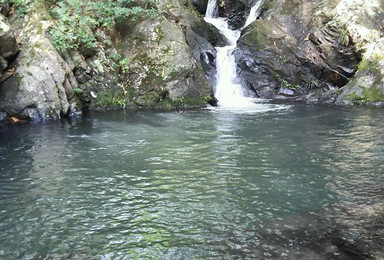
x=143, y=64
x=318, y=51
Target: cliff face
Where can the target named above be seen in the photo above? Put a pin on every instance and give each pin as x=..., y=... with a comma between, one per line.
x=327, y=51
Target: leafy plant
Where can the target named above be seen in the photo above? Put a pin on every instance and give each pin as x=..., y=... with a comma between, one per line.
x=124, y=65
x=78, y=91
x=22, y=6
x=77, y=20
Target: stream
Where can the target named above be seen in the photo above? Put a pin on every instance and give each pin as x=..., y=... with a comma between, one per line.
x=280, y=181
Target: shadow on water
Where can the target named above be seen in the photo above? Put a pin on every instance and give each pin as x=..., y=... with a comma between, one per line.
x=305, y=182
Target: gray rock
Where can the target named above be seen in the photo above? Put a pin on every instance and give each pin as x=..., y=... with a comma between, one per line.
x=298, y=44
x=8, y=46
x=163, y=65
x=3, y=116
x=201, y=5
x=4, y=8
x=36, y=90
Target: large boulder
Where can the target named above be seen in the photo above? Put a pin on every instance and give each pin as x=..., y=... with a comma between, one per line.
x=364, y=21
x=237, y=13
x=148, y=63
x=296, y=47
x=320, y=52
x=42, y=85
x=163, y=67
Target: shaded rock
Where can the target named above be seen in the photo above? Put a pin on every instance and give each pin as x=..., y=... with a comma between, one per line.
x=8, y=47
x=201, y=5
x=5, y=8
x=203, y=52
x=237, y=14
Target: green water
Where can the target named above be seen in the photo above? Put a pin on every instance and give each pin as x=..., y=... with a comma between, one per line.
x=187, y=185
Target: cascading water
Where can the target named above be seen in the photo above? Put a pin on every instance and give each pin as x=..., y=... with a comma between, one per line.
x=228, y=89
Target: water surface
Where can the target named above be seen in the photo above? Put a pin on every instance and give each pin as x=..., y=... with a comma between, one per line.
x=202, y=184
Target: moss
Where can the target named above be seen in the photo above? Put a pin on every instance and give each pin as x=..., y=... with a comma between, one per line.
x=40, y=29
x=112, y=99
x=368, y=95
x=373, y=94
x=371, y=63
x=354, y=97
x=37, y=45
x=183, y=102
x=285, y=83
x=18, y=79
x=266, y=5
x=256, y=39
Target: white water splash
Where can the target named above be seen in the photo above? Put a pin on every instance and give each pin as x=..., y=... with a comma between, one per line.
x=212, y=9
x=254, y=13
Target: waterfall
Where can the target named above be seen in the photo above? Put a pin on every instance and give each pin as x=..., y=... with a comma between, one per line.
x=228, y=90
x=254, y=13
x=212, y=9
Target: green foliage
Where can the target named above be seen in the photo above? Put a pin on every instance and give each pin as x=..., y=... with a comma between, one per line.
x=344, y=36
x=207, y=99
x=77, y=19
x=121, y=65
x=22, y=6
x=78, y=91
x=285, y=83
x=124, y=65
x=114, y=99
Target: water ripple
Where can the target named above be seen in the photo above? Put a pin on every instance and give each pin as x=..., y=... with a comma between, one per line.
x=193, y=185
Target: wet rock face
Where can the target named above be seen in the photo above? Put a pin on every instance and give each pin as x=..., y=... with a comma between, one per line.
x=325, y=52
x=202, y=38
x=201, y=5
x=237, y=14
x=236, y=11
x=286, y=50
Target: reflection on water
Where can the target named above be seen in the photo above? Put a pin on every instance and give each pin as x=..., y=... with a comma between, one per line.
x=274, y=183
